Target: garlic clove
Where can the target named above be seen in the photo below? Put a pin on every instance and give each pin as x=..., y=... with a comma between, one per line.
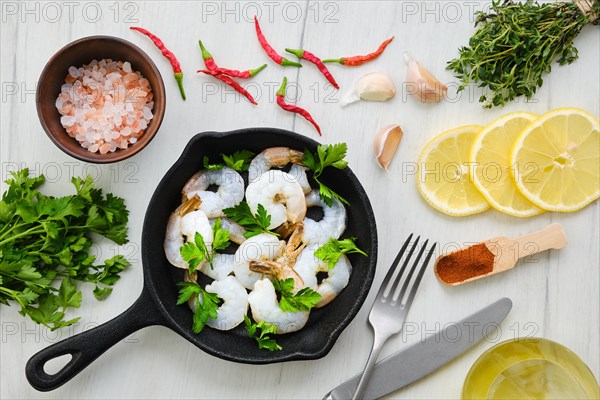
x=422, y=83
x=375, y=86
x=349, y=98
x=386, y=144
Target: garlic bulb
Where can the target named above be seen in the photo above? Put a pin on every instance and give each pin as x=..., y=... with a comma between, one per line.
x=422, y=83
x=375, y=86
x=386, y=144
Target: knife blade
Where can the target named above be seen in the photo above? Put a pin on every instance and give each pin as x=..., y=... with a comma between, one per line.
x=421, y=359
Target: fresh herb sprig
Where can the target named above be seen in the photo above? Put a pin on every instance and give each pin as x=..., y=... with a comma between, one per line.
x=331, y=251
x=254, y=224
x=515, y=45
x=206, y=303
x=326, y=156
x=302, y=301
x=196, y=251
x=45, y=244
x=238, y=161
x=263, y=339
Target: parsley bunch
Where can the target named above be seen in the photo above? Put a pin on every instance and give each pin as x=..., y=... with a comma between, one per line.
x=327, y=156
x=45, y=242
x=516, y=44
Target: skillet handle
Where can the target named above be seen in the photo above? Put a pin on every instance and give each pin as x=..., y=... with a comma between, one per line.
x=85, y=347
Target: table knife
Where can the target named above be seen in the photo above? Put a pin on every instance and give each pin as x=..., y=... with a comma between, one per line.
x=421, y=359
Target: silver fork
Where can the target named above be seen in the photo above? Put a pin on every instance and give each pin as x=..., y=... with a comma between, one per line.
x=388, y=312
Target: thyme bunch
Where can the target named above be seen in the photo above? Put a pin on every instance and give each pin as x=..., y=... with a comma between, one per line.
x=515, y=44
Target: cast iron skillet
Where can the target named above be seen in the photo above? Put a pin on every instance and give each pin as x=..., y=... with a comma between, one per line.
x=156, y=304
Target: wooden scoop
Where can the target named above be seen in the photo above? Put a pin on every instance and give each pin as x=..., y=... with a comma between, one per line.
x=506, y=252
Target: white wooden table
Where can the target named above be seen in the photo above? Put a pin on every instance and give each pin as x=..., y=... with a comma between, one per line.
x=555, y=295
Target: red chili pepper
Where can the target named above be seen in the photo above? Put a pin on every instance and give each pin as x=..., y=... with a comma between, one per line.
x=168, y=55
x=292, y=108
x=229, y=81
x=241, y=74
x=308, y=56
x=210, y=63
x=234, y=73
x=359, y=60
x=270, y=50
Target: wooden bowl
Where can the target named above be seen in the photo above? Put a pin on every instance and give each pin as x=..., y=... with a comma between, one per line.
x=83, y=51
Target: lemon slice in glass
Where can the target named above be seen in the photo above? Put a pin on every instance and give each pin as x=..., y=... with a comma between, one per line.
x=443, y=173
x=490, y=158
x=556, y=160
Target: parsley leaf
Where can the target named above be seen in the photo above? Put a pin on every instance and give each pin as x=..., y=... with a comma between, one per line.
x=220, y=237
x=326, y=156
x=209, y=166
x=238, y=161
x=188, y=289
x=263, y=339
x=331, y=251
x=254, y=224
x=206, y=303
x=68, y=295
x=45, y=246
x=194, y=252
x=303, y=300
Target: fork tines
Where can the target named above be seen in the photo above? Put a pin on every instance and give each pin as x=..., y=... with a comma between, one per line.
x=390, y=288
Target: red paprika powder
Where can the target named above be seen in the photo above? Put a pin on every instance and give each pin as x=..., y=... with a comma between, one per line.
x=466, y=263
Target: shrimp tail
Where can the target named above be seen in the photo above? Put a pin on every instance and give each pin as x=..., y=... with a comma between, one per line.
x=266, y=267
x=294, y=246
x=277, y=270
x=286, y=229
x=297, y=157
x=190, y=205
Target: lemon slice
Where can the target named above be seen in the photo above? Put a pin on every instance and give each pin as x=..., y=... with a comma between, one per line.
x=490, y=158
x=556, y=160
x=443, y=173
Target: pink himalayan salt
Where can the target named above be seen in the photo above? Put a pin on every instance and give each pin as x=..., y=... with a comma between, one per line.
x=105, y=105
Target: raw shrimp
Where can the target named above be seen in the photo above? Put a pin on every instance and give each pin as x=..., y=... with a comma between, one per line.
x=308, y=266
x=265, y=307
x=279, y=157
x=332, y=225
x=263, y=299
x=258, y=248
x=280, y=194
x=196, y=222
x=221, y=268
x=282, y=267
x=229, y=194
x=235, y=303
x=174, y=241
x=236, y=231
x=337, y=279
x=174, y=237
